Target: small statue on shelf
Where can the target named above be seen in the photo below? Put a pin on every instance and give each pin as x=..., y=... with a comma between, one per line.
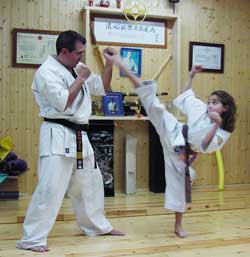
x=138, y=111
x=104, y=3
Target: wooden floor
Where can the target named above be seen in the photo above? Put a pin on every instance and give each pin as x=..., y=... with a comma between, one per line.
x=218, y=224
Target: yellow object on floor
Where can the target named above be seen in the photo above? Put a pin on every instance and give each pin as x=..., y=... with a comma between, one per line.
x=5, y=147
x=220, y=169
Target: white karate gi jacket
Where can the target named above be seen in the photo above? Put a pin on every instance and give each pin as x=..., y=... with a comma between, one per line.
x=170, y=133
x=50, y=88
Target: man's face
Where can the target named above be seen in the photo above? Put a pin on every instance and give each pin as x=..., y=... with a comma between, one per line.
x=74, y=57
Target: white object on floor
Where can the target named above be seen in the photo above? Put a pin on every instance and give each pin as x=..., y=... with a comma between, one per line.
x=130, y=180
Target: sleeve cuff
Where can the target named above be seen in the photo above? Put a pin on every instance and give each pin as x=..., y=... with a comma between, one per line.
x=147, y=88
x=95, y=85
x=62, y=100
x=182, y=96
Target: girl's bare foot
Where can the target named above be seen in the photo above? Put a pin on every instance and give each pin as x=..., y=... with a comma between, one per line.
x=180, y=232
x=115, y=232
x=40, y=249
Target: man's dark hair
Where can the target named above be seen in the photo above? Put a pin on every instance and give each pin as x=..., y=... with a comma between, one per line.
x=67, y=39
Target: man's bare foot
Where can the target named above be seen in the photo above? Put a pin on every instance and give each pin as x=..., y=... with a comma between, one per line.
x=180, y=232
x=40, y=249
x=115, y=232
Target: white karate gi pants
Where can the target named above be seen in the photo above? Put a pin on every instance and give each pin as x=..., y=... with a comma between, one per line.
x=55, y=173
x=175, y=197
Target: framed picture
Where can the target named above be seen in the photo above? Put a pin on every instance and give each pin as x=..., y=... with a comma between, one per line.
x=116, y=30
x=30, y=47
x=112, y=104
x=132, y=59
x=209, y=56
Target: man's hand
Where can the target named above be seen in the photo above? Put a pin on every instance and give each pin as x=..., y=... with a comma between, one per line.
x=109, y=53
x=83, y=72
x=195, y=69
x=215, y=117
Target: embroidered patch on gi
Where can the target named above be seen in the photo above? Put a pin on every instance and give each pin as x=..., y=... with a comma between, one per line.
x=219, y=140
x=66, y=150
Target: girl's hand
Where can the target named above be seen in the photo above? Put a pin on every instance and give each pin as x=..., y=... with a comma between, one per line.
x=195, y=69
x=215, y=117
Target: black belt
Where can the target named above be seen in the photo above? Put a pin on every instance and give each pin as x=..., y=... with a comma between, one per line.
x=69, y=124
x=78, y=129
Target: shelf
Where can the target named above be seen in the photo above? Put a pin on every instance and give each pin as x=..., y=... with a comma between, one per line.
x=93, y=117
x=166, y=14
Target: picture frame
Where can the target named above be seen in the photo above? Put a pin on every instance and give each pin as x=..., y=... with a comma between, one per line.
x=210, y=56
x=30, y=47
x=132, y=57
x=112, y=104
x=115, y=30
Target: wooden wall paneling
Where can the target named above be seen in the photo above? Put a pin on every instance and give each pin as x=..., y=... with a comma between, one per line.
x=20, y=116
x=54, y=20
x=31, y=18
x=69, y=13
x=35, y=122
x=248, y=100
x=1, y=68
x=21, y=100
x=188, y=16
x=119, y=158
x=240, y=62
x=39, y=14
x=76, y=17
x=46, y=14
x=14, y=80
x=242, y=153
x=176, y=52
x=62, y=15
x=5, y=122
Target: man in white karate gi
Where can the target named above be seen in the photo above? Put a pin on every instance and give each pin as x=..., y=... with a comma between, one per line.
x=62, y=87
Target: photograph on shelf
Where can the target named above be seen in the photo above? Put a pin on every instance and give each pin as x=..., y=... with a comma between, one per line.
x=112, y=104
x=132, y=59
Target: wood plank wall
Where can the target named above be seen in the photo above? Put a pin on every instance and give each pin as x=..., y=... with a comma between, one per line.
x=218, y=21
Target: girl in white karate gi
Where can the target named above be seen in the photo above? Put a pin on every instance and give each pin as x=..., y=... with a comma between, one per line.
x=210, y=126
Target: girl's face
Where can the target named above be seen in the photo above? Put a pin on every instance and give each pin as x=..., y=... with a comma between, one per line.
x=214, y=104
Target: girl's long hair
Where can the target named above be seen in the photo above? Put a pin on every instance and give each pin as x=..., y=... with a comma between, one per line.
x=229, y=116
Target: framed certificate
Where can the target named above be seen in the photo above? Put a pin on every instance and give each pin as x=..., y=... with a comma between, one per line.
x=30, y=48
x=209, y=56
